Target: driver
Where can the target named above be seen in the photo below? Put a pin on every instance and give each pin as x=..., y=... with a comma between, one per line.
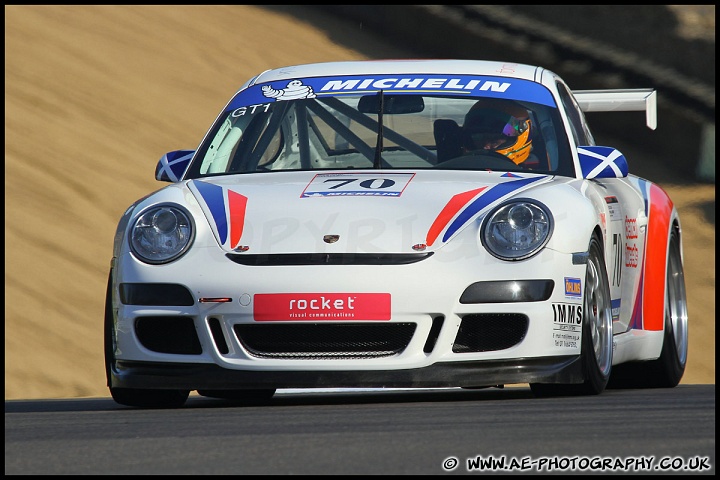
x=501, y=126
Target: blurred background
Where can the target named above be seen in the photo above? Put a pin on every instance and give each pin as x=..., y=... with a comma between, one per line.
x=95, y=95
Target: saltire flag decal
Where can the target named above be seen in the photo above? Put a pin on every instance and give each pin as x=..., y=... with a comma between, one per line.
x=172, y=165
x=602, y=162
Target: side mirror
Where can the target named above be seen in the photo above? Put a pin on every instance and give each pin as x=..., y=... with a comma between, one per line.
x=172, y=165
x=602, y=162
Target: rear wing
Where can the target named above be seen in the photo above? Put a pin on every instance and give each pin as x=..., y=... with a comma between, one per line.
x=620, y=100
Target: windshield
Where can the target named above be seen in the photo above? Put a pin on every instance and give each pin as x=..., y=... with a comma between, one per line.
x=336, y=124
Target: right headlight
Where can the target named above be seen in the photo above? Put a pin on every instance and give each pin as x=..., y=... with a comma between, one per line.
x=161, y=234
x=517, y=229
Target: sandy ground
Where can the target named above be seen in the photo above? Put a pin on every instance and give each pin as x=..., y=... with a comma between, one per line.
x=94, y=96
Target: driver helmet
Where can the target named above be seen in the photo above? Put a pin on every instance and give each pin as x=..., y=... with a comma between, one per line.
x=499, y=125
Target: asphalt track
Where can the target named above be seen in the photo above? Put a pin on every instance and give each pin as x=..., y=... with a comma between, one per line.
x=402, y=432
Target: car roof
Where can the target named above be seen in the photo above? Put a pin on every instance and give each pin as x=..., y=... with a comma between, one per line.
x=424, y=66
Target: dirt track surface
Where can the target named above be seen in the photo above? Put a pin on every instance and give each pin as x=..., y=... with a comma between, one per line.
x=94, y=96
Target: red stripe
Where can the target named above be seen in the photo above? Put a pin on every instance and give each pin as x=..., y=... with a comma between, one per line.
x=236, y=205
x=447, y=213
x=656, y=259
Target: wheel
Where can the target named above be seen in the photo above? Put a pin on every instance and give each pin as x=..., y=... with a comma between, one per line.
x=668, y=369
x=596, y=349
x=108, y=330
x=153, y=398
x=244, y=396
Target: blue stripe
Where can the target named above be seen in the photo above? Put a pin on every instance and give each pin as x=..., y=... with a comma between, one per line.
x=490, y=196
x=215, y=200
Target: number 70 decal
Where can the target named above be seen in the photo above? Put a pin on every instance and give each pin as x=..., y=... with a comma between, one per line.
x=357, y=184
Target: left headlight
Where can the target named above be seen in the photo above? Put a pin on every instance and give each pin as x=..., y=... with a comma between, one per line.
x=517, y=230
x=161, y=234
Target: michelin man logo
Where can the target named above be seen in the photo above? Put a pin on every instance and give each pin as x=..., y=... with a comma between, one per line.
x=295, y=90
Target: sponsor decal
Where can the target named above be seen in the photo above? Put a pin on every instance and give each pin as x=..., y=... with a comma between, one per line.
x=614, y=208
x=294, y=90
x=416, y=84
x=632, y=255
x=631, y=229
x=573, y=287
x=567, y=313
x=357, y=184
x=268, y=307
x=615, y=306
x=255, y=97
x=567, y=325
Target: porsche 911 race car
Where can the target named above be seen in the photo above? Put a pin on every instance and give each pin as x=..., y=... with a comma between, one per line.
x=413, y=223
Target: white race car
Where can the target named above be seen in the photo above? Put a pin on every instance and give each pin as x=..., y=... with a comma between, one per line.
x=413, y=223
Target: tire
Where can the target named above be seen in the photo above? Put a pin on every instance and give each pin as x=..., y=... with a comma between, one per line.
x=243, y=396
x=668, y=369
x=132, y=397
x=108, y=330
x=597, y=348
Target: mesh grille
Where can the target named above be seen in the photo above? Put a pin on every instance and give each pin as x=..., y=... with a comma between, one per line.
x=490, y=331
x=325, y=341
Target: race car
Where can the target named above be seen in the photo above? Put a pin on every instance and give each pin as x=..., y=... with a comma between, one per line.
x=398, y=224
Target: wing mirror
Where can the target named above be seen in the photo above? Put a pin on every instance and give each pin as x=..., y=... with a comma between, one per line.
x=171, y=166
x=602, y=162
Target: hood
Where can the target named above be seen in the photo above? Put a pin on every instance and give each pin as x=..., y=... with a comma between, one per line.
x=367, y=211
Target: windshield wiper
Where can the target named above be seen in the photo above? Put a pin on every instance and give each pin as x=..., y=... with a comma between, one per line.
x=377, y=163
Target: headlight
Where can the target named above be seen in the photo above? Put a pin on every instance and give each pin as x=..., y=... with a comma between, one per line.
x=517, y=230
x=161, y=234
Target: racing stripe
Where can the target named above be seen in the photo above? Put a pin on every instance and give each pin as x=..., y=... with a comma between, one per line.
x=236, y=204
x=636, y=318
x=448, y=212
x=495, y=193
x=215, y=201
x=654, y=263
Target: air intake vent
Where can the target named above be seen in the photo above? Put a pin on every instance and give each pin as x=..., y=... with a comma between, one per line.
x=168, y=334
x=291, y=259
x=488, y=332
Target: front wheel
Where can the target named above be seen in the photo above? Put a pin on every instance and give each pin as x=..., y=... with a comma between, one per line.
x=149, y=398
x=597, y=349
